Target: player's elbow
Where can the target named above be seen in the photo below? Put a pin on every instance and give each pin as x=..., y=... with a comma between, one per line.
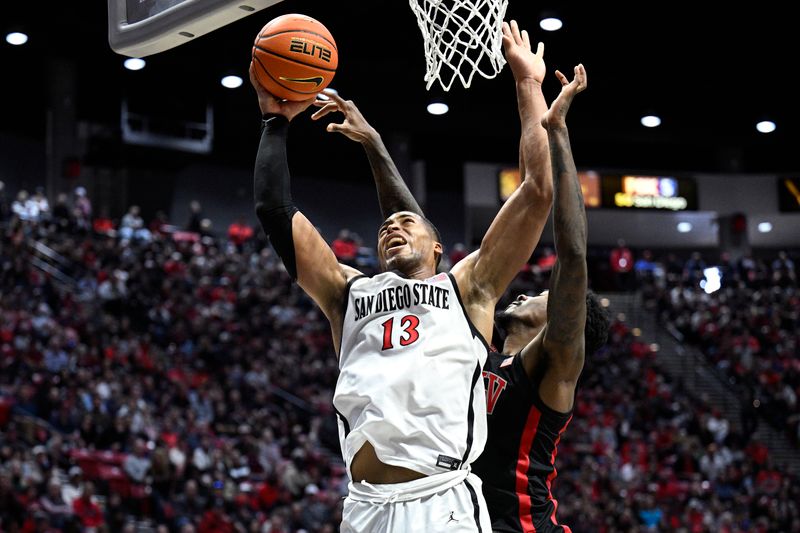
x=572, y=254
x=539, y=192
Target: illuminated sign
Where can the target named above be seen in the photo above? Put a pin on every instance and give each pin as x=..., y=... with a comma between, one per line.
x=509, y=180
x=789, y=194
x=649, y=192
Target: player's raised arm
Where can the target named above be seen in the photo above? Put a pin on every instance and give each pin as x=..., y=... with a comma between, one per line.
x=304, y=252
x=515, y=231
x=563, y=336
x=393, y=193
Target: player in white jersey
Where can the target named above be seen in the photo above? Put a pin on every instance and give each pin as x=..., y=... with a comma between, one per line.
x=411, y=343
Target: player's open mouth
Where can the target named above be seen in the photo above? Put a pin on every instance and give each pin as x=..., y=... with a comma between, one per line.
x=395, y=243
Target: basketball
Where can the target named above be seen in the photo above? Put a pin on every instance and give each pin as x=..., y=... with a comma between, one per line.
x=295, y=57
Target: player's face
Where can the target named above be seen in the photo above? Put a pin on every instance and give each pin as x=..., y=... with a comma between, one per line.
x=530, y=310
x=405, y=242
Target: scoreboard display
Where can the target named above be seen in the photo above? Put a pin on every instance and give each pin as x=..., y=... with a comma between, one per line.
x=614, y=191
x=649, y=192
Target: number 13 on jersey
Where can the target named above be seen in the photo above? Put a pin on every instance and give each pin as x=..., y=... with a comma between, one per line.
x=407, y=331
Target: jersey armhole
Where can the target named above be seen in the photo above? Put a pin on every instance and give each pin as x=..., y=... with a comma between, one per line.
x=472, y=327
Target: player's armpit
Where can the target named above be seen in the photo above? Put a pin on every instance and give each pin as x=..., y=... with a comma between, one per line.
x=510, y=240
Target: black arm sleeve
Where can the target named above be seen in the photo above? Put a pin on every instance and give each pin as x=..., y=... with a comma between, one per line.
x=272, y=190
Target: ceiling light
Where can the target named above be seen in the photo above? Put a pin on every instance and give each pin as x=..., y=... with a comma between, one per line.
x=684, y=227
x=550, y=24
x=231, y=82
x=766, y=126
x=16, y=38
x=651, y=121
x=134, y=63
x=438, y=108
x=764, y=227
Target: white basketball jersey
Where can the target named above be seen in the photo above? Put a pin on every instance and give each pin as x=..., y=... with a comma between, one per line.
x=410, y=374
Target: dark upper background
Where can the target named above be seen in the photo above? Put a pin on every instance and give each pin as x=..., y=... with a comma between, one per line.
x=710, y=76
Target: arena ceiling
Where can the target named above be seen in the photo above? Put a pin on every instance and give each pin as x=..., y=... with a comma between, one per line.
x=710, y=75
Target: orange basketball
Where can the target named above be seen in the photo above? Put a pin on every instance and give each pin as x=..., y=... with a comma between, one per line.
x=295, y=57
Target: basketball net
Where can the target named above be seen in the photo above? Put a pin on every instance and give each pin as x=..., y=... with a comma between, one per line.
x=461, y=37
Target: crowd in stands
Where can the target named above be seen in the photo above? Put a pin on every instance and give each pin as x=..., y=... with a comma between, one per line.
x=745, y=318
x=643, y=454
x=153, y=373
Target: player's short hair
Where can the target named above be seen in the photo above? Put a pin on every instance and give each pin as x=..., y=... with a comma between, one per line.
x=597, y=324
x=436, y=235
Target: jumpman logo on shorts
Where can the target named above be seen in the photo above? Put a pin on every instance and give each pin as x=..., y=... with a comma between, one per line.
x=452, y=518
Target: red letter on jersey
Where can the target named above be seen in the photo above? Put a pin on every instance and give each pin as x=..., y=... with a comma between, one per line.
x=494, y=387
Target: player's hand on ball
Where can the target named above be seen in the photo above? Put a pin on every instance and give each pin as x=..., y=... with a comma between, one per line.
x=270, y=104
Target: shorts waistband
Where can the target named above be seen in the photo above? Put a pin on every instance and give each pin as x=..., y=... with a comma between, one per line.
x=407, y=491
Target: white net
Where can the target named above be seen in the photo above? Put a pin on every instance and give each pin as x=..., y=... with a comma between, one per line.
x=461, y=37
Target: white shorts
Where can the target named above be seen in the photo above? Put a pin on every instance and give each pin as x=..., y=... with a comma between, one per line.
x=450, y=502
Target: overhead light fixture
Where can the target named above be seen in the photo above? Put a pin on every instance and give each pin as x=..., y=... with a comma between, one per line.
x=16, y=38
x=684, y=227
x=764, y=227
x=438, y=108
x=651, y=121
x=766, y=126
x=551, y=24
x=134, y=63
x=231, y=82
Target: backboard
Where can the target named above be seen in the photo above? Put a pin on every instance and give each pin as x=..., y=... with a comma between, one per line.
x=139, y=28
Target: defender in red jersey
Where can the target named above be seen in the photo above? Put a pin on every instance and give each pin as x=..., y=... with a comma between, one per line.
x=531, y=385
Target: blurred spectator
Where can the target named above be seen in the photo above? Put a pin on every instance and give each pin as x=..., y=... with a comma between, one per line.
x=132, y=225
x=195, y=217
x=783, y=273
x=546, y=260
x=12, y=512
x=137, y=464
x=457, y=253
x=24, y=207
x=82, y=207
x=103, y=223
x=58, y=510
x=646, y=268
x=239, y=232
x=345, y=247
x=621, y=262
x=694, y=269
x=160, y=225
x=72, y=489
x=62, y=214
x=39, y=199
x=87, y=510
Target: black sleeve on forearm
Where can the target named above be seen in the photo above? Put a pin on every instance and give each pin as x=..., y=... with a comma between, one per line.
x=272, y=190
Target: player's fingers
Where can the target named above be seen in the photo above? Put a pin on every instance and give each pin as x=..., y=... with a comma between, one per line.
x=526, y=40
x=581, y=75
x=332, y=127
x=333, y=95
x=563, y=79
x=540, y=50
x=515, y=32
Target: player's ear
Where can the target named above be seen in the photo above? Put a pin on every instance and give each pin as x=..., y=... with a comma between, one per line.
x=437, y=248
